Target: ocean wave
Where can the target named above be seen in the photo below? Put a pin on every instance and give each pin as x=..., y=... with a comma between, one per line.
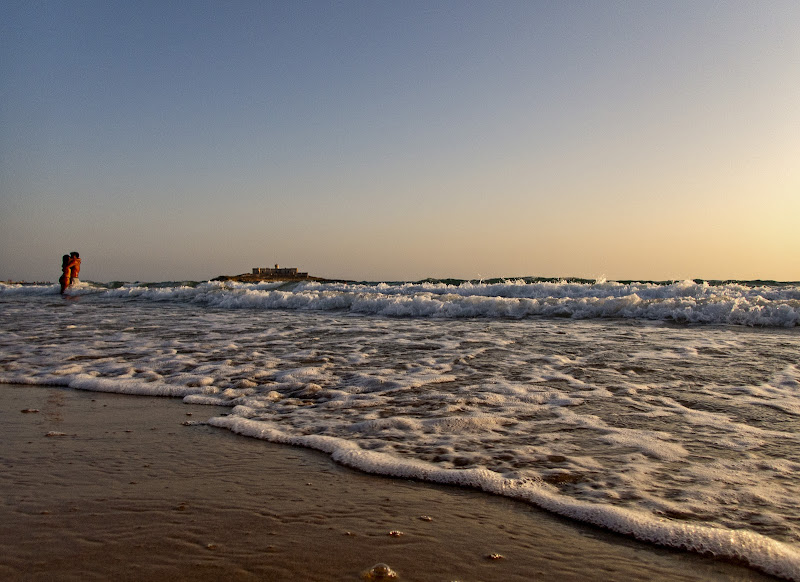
x=682, y=436
x=693, y=302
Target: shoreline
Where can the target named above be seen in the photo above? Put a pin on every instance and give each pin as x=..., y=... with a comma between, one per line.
x=123, y=489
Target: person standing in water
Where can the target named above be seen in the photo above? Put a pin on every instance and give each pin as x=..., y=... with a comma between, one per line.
x=64, y=280
x=74, y=267
x=70, y=269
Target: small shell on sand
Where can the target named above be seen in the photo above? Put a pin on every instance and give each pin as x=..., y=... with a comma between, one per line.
x=395, y=534
x=380, y=572
x=54, y=433
x=495, y=556
x=426, y=518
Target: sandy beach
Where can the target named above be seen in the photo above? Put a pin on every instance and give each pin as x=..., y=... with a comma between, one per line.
x=101, y=486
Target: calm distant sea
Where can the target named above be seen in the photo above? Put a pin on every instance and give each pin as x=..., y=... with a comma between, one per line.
x=669, y=411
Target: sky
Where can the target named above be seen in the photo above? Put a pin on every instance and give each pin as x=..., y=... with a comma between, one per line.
x=384, y=140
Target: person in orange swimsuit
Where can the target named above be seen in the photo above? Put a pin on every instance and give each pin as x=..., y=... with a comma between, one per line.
x=64, y=280
x=74, y=266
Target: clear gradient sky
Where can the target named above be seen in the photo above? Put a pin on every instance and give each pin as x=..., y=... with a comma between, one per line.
x=387, y=140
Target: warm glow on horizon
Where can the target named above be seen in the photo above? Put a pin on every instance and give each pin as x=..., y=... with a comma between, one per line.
x=618, y=140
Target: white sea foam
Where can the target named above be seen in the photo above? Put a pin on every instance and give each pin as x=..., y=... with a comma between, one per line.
x=759, y=551
x=776, y=305
x=686, y=436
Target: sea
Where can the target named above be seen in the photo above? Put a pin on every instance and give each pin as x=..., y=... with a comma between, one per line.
x=667, y=411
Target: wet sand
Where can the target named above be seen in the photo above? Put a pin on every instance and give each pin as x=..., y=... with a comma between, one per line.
x=101, y=486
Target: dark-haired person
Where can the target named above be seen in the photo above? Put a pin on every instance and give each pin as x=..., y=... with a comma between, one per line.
x=64, y=279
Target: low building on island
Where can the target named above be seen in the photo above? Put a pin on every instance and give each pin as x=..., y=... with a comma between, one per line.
x=279, y=271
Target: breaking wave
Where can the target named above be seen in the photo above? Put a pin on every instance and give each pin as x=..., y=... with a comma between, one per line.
x=765, y=304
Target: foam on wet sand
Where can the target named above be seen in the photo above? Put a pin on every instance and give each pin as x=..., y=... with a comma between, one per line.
x=128, y=488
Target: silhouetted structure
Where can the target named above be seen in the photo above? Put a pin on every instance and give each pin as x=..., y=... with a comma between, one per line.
x=279, y=272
